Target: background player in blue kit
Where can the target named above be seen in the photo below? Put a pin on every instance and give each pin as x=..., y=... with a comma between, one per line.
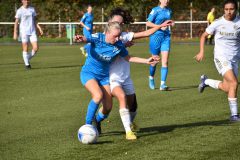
x=87, y=23
x=159, y=41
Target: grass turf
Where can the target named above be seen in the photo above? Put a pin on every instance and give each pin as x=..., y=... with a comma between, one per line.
x=42, y=109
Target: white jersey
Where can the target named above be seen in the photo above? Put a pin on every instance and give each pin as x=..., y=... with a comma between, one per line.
x=27, y=20
x=227, y=38
x=120, y=68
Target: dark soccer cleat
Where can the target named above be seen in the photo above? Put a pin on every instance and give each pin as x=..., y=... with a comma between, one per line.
x=235, y=118
x=28, y=67
x=202, y=84
x=97, y=125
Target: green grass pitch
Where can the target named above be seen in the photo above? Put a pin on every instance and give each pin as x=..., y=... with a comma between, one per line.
x=42, y=109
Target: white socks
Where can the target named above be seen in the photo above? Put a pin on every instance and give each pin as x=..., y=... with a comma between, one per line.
x=212, y=83
x=25, y=58
x=163, y=82
x=233, y=106
x=125, y=117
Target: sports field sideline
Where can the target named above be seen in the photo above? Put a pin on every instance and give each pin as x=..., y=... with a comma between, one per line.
x=41, y=110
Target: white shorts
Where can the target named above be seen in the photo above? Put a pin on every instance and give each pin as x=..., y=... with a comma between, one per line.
x=28, y=38
x=126, y=85
x=223, y=65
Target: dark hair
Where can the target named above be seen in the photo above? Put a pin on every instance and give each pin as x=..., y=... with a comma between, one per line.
x=127, y=18
x=231, y=1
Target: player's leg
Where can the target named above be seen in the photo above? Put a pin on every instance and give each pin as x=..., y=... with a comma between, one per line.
x=25, y=40
x=229, y=71
x=164, y=70
x=165, y=48
x=230, y=85
x=155, y=42
x=34, y=43
x=104, y=111
x=97, y=95
x=124, y=112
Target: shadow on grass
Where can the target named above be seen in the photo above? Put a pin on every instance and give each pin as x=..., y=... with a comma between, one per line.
x=65, y=66
x=112, y=133
x=7, y=64
x=164, y=129
x=181, y=88
x=103, y=142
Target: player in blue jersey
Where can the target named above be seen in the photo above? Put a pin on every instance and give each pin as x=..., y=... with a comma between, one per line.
x=87, y=23
x=94, y=75
x=160, y=42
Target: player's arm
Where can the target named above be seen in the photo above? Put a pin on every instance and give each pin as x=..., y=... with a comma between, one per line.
x=150, y=24
x=152, y=30
x=15, y=32
x=82, y=23
x=140, y=60
x=39, y=28
x=199, y=57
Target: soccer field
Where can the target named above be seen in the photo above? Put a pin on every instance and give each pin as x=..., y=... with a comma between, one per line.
x=42, y=109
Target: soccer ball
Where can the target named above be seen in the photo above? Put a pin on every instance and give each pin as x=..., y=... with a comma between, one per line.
x=87, y=134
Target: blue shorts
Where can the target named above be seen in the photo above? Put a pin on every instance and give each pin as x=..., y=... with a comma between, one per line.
x=159, y=43
x=85, y=76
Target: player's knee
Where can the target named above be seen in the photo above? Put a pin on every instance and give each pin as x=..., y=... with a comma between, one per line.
x=97, y=97
x=233, y=84
x=121, y=96
x=35, y=49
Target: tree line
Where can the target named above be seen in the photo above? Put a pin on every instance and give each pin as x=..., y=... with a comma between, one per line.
x=72, y=10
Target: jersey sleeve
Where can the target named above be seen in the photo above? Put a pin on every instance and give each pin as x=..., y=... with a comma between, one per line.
x=18, y=14
x=126, y=37
x=152, y=15
x=83, y=18
x=212, y=28
x=34, y=12
x=94, y=38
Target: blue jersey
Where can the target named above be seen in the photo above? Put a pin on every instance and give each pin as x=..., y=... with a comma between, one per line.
x=87, y=19
x=158, y=15
x=101, y=54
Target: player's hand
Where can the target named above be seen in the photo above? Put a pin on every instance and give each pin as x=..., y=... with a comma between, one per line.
x=41, y=32
x=87, y=28
x=152, y=61
x=79, y=38
x=199, y=57
x=156, y=57
x=129, y=44
x=167, y=23
x=15, y=36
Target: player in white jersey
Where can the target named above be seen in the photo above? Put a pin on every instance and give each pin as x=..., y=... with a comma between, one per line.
x=226, y=55
x=120, y=81
x=26, y=16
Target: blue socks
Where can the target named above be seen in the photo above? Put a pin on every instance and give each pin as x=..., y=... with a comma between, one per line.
x=92, y=108
x=100, y=116
x=152, y=70
x=164, y=73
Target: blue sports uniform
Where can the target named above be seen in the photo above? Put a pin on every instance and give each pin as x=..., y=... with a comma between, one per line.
x=100, y=55
x=160, y=40
x=87, y=19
